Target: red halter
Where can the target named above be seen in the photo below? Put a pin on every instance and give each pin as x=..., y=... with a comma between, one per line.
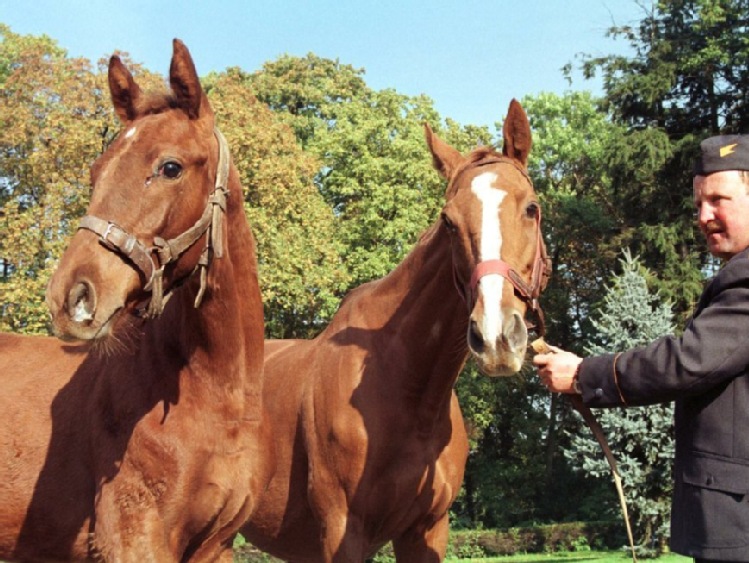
x=528, y=292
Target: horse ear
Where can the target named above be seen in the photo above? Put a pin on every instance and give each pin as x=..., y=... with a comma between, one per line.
x=183, y=78
x=123, y=89
x=445, y=159
x=517, y=134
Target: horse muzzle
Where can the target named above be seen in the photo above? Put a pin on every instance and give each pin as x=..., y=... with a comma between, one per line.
x=499, y=353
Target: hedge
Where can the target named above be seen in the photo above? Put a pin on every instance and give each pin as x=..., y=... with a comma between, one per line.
x=571, y=536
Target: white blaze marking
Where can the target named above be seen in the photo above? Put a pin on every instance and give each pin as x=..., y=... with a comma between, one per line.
x=490, y=285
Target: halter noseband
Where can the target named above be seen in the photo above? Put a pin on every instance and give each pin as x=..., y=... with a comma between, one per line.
x=528, y=292
x=119, y=241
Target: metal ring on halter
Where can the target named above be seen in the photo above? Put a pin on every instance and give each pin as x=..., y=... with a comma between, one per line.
x=528, y=292
x=121, y=242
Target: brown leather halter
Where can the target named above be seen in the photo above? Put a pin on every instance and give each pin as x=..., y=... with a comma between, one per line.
x=140, y=255
x=529, y=292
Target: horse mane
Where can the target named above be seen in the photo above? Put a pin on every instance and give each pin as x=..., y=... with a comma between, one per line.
x=152, y=103
x=476, y=156
x=480, y=153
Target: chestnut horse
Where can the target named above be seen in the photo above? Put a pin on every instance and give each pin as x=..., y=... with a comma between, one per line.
x=370, y=441
x=144, y=444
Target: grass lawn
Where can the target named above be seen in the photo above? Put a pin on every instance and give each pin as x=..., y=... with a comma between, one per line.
x=567, y=557
x=572, y=557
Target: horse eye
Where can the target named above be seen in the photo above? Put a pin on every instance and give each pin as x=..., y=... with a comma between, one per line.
x=449, y=225
x=171, y=169
x=532, y=210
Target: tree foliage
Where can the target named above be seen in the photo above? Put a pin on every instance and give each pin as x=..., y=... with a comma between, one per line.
x=52, y=127
x=685, y=81
x=307, y=92
x=643, y=437
x=301, y=268
x=375, y=170
x=583, y=224
x=339, y=185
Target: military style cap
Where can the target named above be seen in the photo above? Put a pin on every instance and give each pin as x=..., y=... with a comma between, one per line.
x=725, y=152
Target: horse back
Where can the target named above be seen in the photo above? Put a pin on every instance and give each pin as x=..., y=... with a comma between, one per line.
x=45, y=476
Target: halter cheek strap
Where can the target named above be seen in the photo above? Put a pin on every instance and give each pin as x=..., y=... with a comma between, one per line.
x=528, y=292
x=119, y=241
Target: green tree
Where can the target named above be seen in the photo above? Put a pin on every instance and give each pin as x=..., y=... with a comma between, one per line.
x=583, y=226
x=379, y=180
x=642, y=438
x=301, y=269
x=685, y=80
x=51, y=130
x=689, y=71
x=306, y=92
x=375, y=170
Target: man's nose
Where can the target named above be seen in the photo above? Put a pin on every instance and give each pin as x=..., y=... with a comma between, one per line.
x=704, y=214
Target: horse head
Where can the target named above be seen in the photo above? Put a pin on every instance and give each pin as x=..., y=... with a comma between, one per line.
x=499, y=259
x=156, y=206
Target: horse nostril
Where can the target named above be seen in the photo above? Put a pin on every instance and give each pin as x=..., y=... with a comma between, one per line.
x=82, y=303
x=516, y=332
x=475, y=338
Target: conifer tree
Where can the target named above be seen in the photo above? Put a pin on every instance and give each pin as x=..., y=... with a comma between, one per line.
x=642, y=439
x=683, y=78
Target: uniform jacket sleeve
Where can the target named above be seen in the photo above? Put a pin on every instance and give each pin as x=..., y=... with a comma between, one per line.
x=713, y=349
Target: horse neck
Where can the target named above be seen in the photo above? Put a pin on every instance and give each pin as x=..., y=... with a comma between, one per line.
x=428, y=317
x=225, y=332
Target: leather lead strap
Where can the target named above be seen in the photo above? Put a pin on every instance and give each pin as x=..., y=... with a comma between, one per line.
x=595, y=427
x=541, y=347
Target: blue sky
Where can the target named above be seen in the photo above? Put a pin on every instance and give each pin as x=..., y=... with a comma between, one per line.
x=470, y=57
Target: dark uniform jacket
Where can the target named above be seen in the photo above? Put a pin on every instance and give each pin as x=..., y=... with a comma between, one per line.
x=706, y=372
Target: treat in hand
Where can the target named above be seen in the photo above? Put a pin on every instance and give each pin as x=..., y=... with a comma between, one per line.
x=540, y=346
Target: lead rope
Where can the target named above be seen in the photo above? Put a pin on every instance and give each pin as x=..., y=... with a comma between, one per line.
x=594, y=425
x=541, y=347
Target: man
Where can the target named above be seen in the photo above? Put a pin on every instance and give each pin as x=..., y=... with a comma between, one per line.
x=706, y=371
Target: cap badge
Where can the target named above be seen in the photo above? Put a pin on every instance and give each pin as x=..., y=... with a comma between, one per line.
x=726, y=150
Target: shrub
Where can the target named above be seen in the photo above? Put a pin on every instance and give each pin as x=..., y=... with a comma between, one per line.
x=571, y=536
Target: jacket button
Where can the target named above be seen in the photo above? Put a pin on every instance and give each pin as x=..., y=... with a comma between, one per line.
x=709, y=481
x=599, y=393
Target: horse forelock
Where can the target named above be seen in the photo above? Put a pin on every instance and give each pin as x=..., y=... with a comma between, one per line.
x=480, y=153
x=156, y=102
x=480, y=156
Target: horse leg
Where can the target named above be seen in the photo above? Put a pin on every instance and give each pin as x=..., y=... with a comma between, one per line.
x=350, y=546
x=128, y=529
x=423, y=546
x=223, y=553
x=342, y=538
x=226, y=556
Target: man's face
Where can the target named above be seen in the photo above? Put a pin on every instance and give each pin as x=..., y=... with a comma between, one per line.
x=722, y=204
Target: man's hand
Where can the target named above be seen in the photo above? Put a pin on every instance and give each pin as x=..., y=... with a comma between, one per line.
x=557, y=368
